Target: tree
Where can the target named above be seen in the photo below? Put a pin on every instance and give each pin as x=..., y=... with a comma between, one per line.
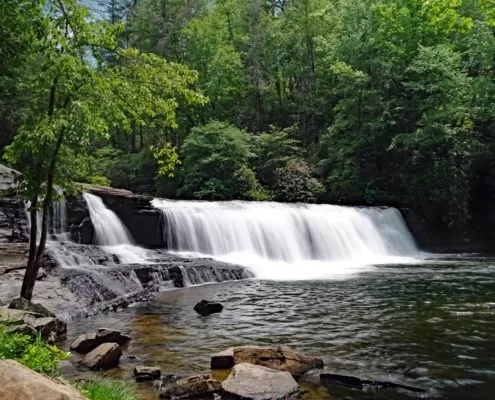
x=215, y=163
x=76, y=96
x=20, y=25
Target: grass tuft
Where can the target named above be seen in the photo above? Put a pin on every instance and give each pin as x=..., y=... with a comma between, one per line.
x=108, y=389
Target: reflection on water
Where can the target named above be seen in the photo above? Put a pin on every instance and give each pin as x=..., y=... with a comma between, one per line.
x=431, y=326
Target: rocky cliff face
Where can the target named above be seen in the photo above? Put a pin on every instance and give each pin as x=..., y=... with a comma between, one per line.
x=12, y=215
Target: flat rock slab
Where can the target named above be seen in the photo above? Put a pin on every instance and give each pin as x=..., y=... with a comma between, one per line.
x=144, y=373
x=21, y=383
x=280, y=358
x=256, y=382
x=105, y=356
x=193, y=387
x=90, y=341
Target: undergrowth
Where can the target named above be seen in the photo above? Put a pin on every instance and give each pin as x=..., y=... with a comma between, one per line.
x=35, y=353
x=32, y=351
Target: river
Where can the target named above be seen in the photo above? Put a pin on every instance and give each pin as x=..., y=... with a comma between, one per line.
x=430, y=324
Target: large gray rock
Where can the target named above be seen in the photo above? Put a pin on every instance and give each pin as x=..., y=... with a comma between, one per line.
x=256, y=382
x=193, y=387
x=105, y=356
x=89, y=341
x=21, y=383
x=280, y=358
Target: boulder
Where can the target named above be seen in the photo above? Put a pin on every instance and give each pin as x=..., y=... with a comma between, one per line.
x=193, y=387
x=256, y=382
x=90, y=341
x=280, y=358
x=105, y=356
x=144, y=373
x=20, y=382
x=205, y=307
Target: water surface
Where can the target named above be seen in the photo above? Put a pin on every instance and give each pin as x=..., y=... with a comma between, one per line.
x=430, y=325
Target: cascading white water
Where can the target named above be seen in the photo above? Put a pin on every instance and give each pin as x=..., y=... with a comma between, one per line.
x=112, y=234
x=109, y=229
x=285, y=241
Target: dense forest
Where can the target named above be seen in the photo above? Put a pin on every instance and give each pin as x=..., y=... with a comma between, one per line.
x=342, y=101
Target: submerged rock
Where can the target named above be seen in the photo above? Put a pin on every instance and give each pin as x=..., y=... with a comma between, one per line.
x=205, y=307
x=89, y=341
x=358, y=383
x=279, y=358
x=256, y=382
x=105, y=356
x=193, y=387
x=20, y=382
x=144, y=373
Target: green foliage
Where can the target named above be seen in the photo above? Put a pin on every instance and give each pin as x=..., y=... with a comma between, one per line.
x=76, y=96
x=215, y=163
x=273, y=150
x=295, y=183
x=381, y=100
x=33, y=352
x=43, y=357
x=167, y=159
x=108, y=389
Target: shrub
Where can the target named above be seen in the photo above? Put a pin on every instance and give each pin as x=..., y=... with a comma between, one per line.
x=33, y=352
x=215, y=163
x=273, y=150
x=295, y=183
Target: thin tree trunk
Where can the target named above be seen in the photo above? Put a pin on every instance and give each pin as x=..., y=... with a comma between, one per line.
x=32, y=247
x=34, y=266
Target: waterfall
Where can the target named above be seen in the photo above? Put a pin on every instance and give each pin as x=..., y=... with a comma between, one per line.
x=109, y=229
x=273, y=237
x=58, y=222
x=116, y=272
